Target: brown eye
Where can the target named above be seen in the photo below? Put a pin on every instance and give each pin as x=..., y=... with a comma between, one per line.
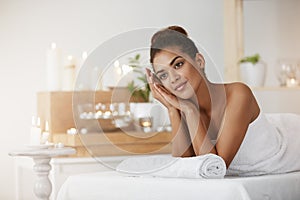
x=178, y=65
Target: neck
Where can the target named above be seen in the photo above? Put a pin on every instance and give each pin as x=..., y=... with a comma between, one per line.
x=209, y=96
x=203, y=96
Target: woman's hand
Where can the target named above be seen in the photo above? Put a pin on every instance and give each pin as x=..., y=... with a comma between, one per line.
x=155, y=93
x=166, y=97
x=183, y=105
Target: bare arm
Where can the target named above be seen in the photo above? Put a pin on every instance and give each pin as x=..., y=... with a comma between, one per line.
x=193, y=126
x=240, y=111
x=181, y=142
x=198, y=131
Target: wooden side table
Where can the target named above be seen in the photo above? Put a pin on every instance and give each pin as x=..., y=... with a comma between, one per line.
x=42, y=157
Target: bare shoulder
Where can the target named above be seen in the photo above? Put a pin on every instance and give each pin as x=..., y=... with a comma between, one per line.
x=241, y=98
x=238, y=89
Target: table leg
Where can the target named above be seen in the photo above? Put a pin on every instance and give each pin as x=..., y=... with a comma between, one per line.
x=42, y=188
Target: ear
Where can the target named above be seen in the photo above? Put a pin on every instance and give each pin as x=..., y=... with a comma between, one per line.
x=200, y=61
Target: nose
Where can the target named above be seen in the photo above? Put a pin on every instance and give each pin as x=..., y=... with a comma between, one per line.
x=174, y=76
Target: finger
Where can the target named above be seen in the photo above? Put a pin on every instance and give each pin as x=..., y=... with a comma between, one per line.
x=169, y=97
x=148, y=75
x=162, y=88
x=154, y=91
x=156, y=79
x=163, y=91
x=148, y=71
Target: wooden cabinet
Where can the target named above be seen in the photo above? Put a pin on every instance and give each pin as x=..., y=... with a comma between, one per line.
x=117, y=143
x=61, y=112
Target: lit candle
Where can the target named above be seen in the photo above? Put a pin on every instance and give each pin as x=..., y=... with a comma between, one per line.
x=107, y=114
x=69, y=74
x=35, y=132
x=291, y=82
x=117, y=72
x=146, y=123
x=54, y=68
x=81, y=85
x=84, y=56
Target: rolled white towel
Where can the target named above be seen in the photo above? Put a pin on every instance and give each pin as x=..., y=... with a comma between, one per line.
x=204, y=166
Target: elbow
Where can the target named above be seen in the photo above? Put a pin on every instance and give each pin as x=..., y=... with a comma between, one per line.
x=177, y=153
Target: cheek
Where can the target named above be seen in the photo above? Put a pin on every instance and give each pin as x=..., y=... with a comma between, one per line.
x=194, y=74
x=167, y=85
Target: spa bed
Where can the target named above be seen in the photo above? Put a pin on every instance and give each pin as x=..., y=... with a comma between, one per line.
x=113, y=185
x=276, y=151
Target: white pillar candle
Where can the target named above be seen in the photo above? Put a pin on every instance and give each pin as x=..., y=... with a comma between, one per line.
x=54, y=68
x=45, y=134
x=84, y=56
x=96, y=79
x=35, y=132
x=117, y=73
x=80, y=85
x=69, y=74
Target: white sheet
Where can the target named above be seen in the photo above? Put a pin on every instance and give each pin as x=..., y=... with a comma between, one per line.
x=113, y=185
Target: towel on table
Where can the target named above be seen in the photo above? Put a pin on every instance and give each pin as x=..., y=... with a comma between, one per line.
x=271, y=146
x=204, y=166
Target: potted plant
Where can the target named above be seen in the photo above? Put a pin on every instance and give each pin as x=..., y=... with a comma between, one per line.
x=139, y=92
x=253, y=70
x=144, y=108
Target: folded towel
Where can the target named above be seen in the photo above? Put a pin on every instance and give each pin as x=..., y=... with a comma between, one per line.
x=204, y=166
x=271, y=146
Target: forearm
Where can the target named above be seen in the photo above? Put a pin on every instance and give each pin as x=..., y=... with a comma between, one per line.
x=181, y=143
x=198, y=132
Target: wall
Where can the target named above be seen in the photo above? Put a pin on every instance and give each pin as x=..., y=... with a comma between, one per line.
x=27, y=27
x=272, y=29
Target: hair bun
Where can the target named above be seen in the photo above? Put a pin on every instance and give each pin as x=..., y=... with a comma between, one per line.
x=178, y=29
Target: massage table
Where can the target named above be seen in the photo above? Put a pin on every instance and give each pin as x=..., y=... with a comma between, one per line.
x=273, y=154
x=113, y=185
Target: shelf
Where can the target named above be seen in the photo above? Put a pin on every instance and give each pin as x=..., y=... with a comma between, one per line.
x=116, y=143
x=275, y=88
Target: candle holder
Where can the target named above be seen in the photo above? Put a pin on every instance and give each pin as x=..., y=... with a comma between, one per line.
x=110, y=116
x=146, y=124
x=292, y=82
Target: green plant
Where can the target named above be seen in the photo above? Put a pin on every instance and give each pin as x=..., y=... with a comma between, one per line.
x=136, y=91
x=252, y=59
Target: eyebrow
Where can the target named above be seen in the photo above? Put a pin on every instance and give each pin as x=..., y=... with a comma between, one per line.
x=171, y=63
x=174, y=59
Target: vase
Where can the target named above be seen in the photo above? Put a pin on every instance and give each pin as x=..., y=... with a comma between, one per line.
x=253, y=75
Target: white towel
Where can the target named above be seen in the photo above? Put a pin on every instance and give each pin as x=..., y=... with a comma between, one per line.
x=205, y=166
x=271, y=146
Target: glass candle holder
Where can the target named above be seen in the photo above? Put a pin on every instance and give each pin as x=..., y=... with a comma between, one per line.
x=146, y=123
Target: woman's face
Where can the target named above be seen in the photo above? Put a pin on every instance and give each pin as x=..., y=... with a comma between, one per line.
x=178, y=72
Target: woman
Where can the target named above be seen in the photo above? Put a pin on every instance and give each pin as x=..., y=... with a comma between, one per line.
x=200, y=111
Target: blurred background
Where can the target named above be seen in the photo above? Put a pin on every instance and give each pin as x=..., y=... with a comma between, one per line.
x=28, y=27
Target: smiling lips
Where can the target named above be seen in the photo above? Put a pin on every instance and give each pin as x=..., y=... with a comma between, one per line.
x=180, y=86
